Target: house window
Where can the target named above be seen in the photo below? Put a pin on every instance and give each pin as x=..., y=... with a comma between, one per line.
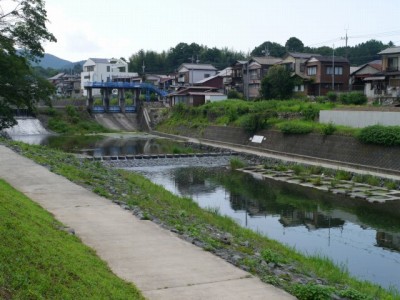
x=393, y=63
x=89, y=68
x=338, y=70
x=108, y=68
x=312, y=70
x=206, y=75
x=302, y=67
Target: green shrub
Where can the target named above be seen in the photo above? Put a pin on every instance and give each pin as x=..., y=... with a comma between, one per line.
x=343, y=175
x=51, y=112
x=237, y=163
x=295, y=128
x=355, y=98
x=380, y=135
x=312, y=292
x=320, y=99
x=298, y=169
x=233, y=94
x=328, y=129
x=253, y=122
x=71, y=111
x=310, y=113
x=332, y=96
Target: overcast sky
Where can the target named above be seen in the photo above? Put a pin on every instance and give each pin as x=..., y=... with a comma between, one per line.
x=120, y=28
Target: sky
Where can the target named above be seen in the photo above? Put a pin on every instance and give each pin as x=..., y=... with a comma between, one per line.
x=120, y=28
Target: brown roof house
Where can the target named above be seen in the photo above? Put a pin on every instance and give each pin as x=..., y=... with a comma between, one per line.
x=295, y=63
x=358, y=76
x=326, y=74
x=252, y=72
x=387, y=82
x=195, y=95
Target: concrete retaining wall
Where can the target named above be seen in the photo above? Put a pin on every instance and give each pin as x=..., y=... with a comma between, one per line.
x=344, y=149
x=359, y=119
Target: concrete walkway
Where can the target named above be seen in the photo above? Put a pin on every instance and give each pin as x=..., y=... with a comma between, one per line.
x=159, y=263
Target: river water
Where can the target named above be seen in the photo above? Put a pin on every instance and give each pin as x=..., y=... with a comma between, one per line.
x=357, y=237
x=361, y=237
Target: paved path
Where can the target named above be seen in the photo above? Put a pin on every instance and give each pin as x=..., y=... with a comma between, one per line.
x=159, y=263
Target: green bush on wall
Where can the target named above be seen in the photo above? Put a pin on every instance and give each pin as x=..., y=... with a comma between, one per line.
x=355, y=98
x=296, y=127
x=380, y=135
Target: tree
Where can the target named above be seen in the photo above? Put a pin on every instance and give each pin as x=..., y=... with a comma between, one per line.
x=294, y=44
x=274, y=49
x=22, y=27
x=277, y=84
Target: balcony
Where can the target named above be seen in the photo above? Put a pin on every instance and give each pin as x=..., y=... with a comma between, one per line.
x=392, y=69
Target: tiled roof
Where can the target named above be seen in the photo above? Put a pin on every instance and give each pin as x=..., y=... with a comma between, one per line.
x=199, y=66
x=301, y=55
x=266, y=60
x=391, y=50
x=329, y=59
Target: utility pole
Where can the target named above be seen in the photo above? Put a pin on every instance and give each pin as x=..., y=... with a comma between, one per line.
x=346, y=38
x=333, y=68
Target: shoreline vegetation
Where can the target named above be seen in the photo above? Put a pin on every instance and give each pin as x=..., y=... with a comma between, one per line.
x=305, y=277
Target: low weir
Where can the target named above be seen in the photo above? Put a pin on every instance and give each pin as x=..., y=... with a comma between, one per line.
x=158, y=156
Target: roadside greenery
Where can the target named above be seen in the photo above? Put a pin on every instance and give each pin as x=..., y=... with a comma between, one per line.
x=71, y=121
x=187, y=218
x=41, y=260
x=380, y=135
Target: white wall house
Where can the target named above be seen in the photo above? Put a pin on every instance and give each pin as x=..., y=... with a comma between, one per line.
x=188, y=74
x=105, y=70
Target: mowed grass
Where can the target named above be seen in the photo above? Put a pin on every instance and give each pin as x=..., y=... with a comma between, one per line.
x=39, y=260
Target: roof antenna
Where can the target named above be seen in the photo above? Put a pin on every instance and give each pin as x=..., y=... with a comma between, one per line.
x=265, y=51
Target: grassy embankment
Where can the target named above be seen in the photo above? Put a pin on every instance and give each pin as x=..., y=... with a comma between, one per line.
x=186, y=217
x=253, y=116
x=70, y=120
x=39, y=260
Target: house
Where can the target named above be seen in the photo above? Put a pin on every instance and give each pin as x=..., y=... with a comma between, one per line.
x=195, y=96
x=236, y=80
x=254, y=71
x=105, y=70
x=67, y=85
x=188, y=74
x=326, y=74
x=387, y=82
x=295, y=63
x=247, y=75
x=217, y=81
x=360, y=73
x=162, y=82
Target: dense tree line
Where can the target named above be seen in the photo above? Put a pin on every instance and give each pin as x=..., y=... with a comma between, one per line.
x=168, y=61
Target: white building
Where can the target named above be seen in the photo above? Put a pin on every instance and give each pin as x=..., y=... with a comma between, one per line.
x=105, y=70
x=188, y=74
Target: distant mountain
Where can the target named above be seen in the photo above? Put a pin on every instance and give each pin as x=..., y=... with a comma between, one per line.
x=54, y=62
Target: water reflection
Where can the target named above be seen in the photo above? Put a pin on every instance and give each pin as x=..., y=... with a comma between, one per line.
x=363, y=237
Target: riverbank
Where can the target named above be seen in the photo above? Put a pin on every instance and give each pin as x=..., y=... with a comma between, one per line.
x=42, y=259
x=267, y=259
